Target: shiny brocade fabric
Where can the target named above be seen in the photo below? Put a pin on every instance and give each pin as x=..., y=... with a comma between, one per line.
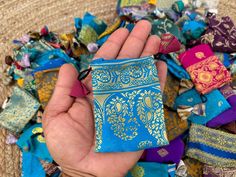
x=215, y=104
x=205, y=69
x=211, y=171
x=170, y=91
x=45, y=82
x=174, y=125
x=152, y=169
x=221, y=34
x=195, y=168
x=127, y=105
x=209, y=74
x=211, y=146
x=92, y=28
x=19, y=111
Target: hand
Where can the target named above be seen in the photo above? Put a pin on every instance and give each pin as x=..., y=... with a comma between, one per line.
x=68, y=123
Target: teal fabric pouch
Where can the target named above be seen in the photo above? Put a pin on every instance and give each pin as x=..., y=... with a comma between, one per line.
x=128, y=105
x=215, y=103
x=19, y=111
x=152, y=169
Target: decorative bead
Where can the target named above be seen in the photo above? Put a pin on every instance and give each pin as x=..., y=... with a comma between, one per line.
x=9, y=60
x=11, y=139
x=92, y=47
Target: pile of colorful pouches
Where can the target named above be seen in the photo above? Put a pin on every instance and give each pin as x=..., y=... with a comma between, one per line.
x=199, y=99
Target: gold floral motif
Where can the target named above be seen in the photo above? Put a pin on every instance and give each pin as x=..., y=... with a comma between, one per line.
x=41, y=139
x=37, y=130
x=137, y=171
x=118, y=110
x=200, y=55
x=152, y=114
x=205, y=77
x=145, y=144
x=209, y=74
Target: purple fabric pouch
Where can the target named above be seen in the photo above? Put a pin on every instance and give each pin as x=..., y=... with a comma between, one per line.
x=230, y=114
x=171, y=153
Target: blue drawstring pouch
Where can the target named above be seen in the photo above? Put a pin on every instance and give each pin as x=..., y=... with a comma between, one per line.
x=128, y=107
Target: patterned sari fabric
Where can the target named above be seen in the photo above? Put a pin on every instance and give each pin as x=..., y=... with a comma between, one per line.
x=211, y=146
x=194, y=167
x=138, y=8
x=206, y=70
x=127, y=105
x=19, y=111
x=92, y=28
x=233, y=84
x=221, y=34
x=174, y=125
x=230, y=114
x=170, y=91
x=214, y=103
x=33, y=141
x=211, y=171
x=162, y=26
x=45, y=82
x=171, y=153
x=152, y=169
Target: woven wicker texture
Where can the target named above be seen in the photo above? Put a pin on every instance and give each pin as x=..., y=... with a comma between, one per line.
x=20, y=16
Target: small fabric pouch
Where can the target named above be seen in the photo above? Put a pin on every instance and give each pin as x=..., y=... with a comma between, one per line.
x=174, y=125
x=33, y=141
x=128, y=106
x=170, y=91
x=194, y=167
x=177, y=70
x=171, y=153
x=205, y=69
x=54, y=59
x=211, y=146
x=221, y=34
x=193, y=29
x=229, y=94
x=45, y=82
x=152, y=169
x=169, y=43
x=212, y=171
x=92, y=28
x=214, y=104
x=230, y=114
x=19, y=110
x=164, y=25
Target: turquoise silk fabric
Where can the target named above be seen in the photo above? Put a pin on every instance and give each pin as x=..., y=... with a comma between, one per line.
x=128, y=105
x=152, y=169
x=215, y=104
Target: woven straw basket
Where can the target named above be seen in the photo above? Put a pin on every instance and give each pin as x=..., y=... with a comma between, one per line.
x=20, y=16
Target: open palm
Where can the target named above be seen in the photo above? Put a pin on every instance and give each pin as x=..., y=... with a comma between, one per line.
x=69, y=123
